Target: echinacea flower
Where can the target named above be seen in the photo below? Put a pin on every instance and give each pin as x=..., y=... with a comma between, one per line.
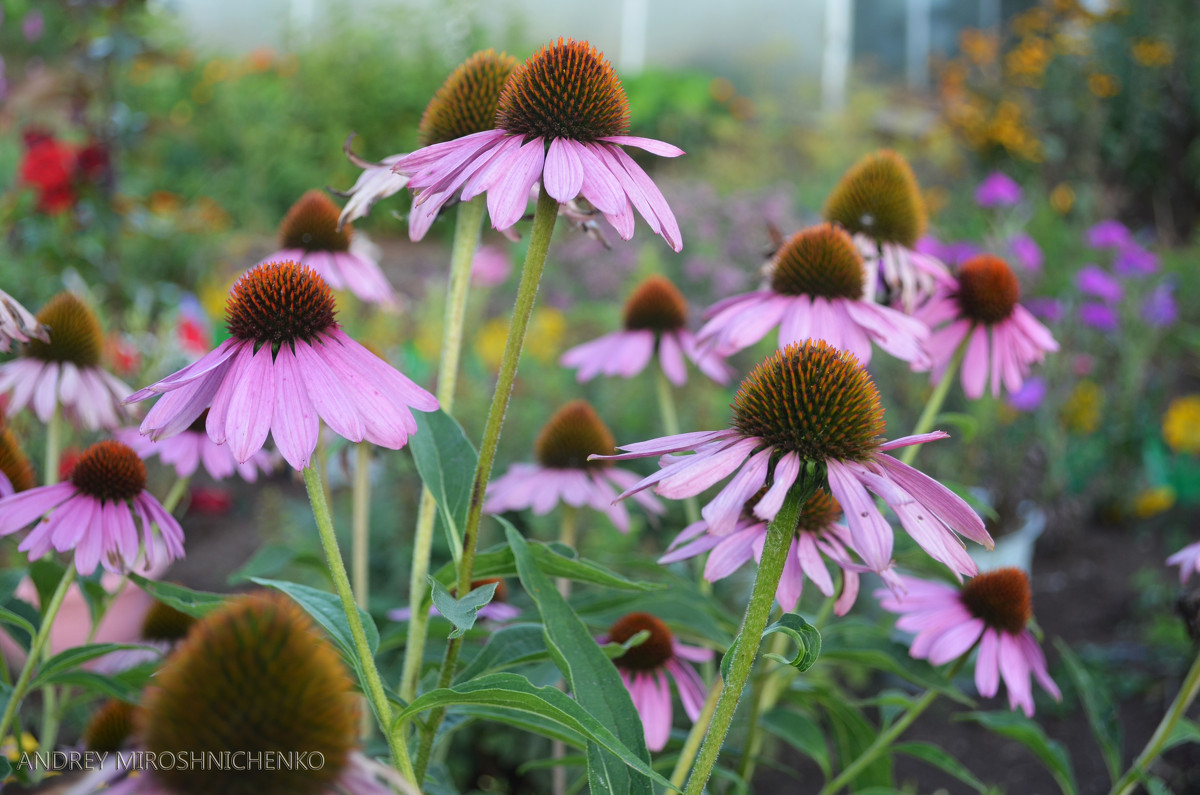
x=255, y=683
x=498, y=610
x=991, y=611
x=981, y=306
x=16, y=472
x=772, y=444
x=879, y=202
x=564, y=474
x=1188, y=561
x=816, y=283
x=310, y=234
x=286, y=366
x=998, y=190
x=561, y=119
x=646, y=668
x=93, y=514
x=65, y=372
x=817, y=534
x=189, y=450
x=18, y=323
x=655, y=322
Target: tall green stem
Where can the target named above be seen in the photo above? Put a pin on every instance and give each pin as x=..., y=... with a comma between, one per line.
x=934, y=404
x=770, y=567
x=178, y=489
x=531, y=276
x=466, y=237
x=691, y=745
x=54, y=434
x=36, y=649
x=360, y=524
x=1183, y=699
x=373, y=685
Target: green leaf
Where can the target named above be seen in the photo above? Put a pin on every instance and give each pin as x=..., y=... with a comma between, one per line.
x=446, y=462
x=1017, y=727
x=854, y=642
x=592, y=677
x=97, y=683
x=522, y=644
x=800, y=732
x=461, y=612
x=326, y=610
x=928, y=752
x=516, y=694
x=46, y=573
x=1185, y=731
x=499, y=562
x=807, y=637
x=1098, y=706
x=70, y=659
x=852, y=735
x=967, y=424
x=22, y=623
x=9, y=580
x=196, y=604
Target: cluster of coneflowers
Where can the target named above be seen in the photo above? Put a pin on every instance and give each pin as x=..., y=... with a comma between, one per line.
x=803, y=461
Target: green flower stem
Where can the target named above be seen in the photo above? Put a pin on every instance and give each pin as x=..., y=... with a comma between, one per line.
x=36, y=649
x=178, y=489
x=764, y=692
x=466, y=238
x=567, y=534
x=691, y=745
x=779, y=540
x=360, y=524
x=670, y=418
x=54, y=435
x=934, y=404
x=889, y=735
x=531, y=276
x=1183, y=699
x=372, y=685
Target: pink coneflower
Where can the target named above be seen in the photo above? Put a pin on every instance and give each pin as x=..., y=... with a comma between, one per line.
x=982, y=305
x=91, y=514
x=817, y=534
x=561, y=119
x=655, y=321
x=563, y=473
x=991, y=610
x=645, y=669
x=498, y=610
x=187, y=451
x=878, y=201
x=286, y=366
x=310, y=235
x=65, y=372
x=815, y=291
x=1188, y=561
x=806, y=407
x=18, y=323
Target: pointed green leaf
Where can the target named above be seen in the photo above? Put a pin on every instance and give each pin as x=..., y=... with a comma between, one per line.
x=1185, y=731
x=1099, y=707
x=800, y=732
x=446, y=462
x=46, y=573
x=853, y=734
x=23, y=623
x=196, y=604
x=70, y=659
x=928, y=752
x=807, y=637
x=1016, y=726
x=461, y=612
x=553, y=560
x=326, y=610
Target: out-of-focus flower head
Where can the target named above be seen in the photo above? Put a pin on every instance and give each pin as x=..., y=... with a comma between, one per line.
x=1094, y=280
x=1026, y=251
x=1160, y=308
x=1181, y=425
x=1109, y=234
x=998, y=190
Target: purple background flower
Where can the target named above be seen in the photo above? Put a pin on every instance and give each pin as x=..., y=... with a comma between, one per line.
x=1160, y=308
x=998, y=190
x=1027, y=252
x=1099, y=316
x=1030, y=395
x=1094, y=280
x=1133, y=260
x=1109, y=234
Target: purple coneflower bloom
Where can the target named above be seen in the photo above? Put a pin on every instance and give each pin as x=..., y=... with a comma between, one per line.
x=187, y=451
x=998, y=190
x=1004, y=337
x=286, y=366
x=18, y=323
x=1026, y=251
x=879, y=201
x=817, y=534
x=65, y=372
x=645, y=669
x=1094, y=280
x=771, y=445
x=564, y=474
x=498, y=610
x=561, y=119
x=655, y=321
x=377, y=181
x=991, y=610
x=1188, y=561
x=816, y=282
x=1109, y=234
x=91, y=514
x=311, y=235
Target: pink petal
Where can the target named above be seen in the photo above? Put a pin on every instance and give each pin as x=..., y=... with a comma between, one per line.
x=732, y=551
x=654, y=147
x=324, y=390
x=20, y=509
x=987, y=664
x=508, y=198
x=872, y=535
x=251, y=405
x=1014, y=669
x=787, y=469
x=562, y=176
x=294, y=421
x=670, y=356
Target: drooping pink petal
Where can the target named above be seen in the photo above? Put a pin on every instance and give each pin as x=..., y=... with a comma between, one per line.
x=562, y=175
x=689, y=478
x=325, y=391
x=218, y=411
x=987, y=664
x=945, y=504
x=975, y=364
x=651, y=145
x=787, y=469
x=509, y=196
x=670, y=356
x=732, y=551
x=1037, y=663
x=1014, y=669
x=211, y=360
x=872, y=535
x=723, y=511
x=955, y=641
x=251, y=406
x=294, y=421
x=21, y=508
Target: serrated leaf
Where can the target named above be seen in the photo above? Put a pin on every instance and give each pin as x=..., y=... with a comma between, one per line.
x=461, y=612
x=1099, y=707
x=938, y=757
x=196, y=604
x=1017, y=727
x=800, y=732
x=807, y=637
x=446, y=462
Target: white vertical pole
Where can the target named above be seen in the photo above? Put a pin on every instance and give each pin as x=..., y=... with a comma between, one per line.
x=917, y=44
x=634, y=14
x=835, y=55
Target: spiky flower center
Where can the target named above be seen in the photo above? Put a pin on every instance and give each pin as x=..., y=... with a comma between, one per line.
x=879, y=197
x=14, y=463
x=987, y=289
x=656, y=305
x=165, y=623
x=75, y=333
x=1001, y=597
x=811, y=399
x=466, y=102
x=109, y=470
x=651, y=653
x=110, y=726
x=279, y=302
x=819, y=512
x=564, y=90
x=572, y=434
x=819, y=261
x=254, y=676
x=312, y=225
